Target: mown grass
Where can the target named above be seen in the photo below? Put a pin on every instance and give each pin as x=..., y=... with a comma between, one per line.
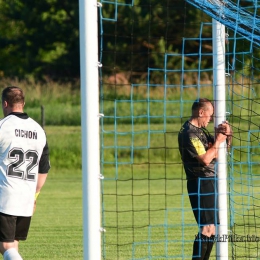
x=145, y=208
x=56, y=228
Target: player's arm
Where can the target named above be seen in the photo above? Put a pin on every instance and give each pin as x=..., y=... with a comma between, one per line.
x=226, y=129
x=211, y=153
x=41, y=180
x=44, y=167
x=205, y=157
x=229, y=141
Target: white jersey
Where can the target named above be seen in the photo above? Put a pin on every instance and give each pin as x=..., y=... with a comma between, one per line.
x=22, y=141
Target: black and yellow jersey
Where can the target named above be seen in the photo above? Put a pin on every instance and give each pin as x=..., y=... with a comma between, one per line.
x=195, y=141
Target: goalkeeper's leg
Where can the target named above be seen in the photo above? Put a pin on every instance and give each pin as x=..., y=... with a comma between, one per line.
x=203, y=243
x=210, y=245
x=200, y=247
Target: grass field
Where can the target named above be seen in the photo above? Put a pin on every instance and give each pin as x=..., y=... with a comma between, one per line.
x=145, y=208
x=56, y=229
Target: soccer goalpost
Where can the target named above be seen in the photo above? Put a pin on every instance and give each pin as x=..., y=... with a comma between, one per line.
x=219, y=86
x=90, y=129
x=157, y=58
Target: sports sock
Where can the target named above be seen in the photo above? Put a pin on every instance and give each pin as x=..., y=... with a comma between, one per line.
x=12, y=254
x=211, y=241
x=200, y=246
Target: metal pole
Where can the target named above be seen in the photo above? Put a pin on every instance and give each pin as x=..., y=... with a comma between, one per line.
x=90, y=128
x=218, y=32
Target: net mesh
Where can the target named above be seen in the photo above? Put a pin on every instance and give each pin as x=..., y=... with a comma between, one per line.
x=156, y=60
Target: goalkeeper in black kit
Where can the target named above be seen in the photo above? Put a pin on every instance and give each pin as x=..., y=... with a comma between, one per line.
x=199, y=150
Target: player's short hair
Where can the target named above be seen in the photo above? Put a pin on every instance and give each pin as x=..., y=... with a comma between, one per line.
x=201, y=103
x=13, y=95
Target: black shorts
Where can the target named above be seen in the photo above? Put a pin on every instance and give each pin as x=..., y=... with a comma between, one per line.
x=204, y=200
x=13, y=227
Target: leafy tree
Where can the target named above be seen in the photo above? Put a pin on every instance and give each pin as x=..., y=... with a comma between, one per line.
x=148, y=30
x=39, y=38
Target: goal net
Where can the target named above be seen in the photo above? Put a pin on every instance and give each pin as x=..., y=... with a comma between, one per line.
x=156, y=60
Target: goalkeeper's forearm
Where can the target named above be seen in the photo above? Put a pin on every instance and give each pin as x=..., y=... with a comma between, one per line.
x=229, y=141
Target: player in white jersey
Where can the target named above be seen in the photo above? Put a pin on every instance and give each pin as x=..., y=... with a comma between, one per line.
x=24, y=164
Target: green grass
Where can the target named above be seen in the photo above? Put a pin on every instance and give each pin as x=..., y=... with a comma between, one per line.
x=56, y=228
x=146, y=211
x=65, y=147
x=137, y=207
x=145, y=208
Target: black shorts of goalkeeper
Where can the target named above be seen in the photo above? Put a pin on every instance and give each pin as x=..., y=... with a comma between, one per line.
x=204, y=200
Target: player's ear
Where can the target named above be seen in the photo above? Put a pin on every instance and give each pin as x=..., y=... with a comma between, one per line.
x=201, y=111
x=5, y=104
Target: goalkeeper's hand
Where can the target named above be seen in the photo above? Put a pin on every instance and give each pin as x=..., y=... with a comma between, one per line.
x=224, y=129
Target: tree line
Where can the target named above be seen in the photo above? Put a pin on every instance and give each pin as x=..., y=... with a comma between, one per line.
x=41, y=38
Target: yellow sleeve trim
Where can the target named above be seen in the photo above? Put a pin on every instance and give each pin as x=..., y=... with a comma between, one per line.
x=198, y=146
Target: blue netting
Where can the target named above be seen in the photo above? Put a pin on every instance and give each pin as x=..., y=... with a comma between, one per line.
x=244, y=20
x=150, y=77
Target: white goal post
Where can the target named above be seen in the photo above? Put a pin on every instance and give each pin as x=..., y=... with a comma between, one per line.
x=218, y=38
x=90, y=128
